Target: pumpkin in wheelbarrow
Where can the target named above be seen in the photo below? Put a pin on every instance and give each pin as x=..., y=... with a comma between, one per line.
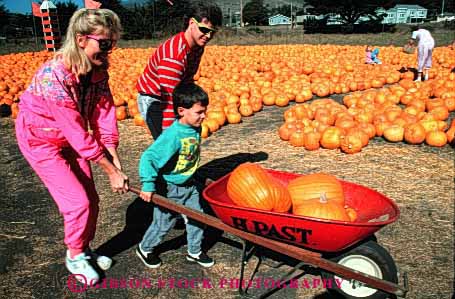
x=314, y=186
x=251, y=186
x=323, y=209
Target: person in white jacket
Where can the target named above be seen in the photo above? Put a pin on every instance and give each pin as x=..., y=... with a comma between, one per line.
x=425, y=45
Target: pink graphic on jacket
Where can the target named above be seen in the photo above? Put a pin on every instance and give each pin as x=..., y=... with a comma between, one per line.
x=52, y=134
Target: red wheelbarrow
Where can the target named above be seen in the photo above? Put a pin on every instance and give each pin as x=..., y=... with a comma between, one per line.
x=345, y=251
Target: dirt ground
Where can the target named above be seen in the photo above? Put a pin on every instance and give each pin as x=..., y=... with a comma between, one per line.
x=420, y=179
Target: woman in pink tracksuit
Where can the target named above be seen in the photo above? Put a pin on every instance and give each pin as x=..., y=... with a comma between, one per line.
x=68, y=95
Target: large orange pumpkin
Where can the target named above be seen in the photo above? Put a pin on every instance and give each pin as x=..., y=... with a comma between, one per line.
x=351, y=143
x=436, y=138
x=248, y=186
x=312, y=186
x=414, y=133
x=322, y=208
x=330, y=138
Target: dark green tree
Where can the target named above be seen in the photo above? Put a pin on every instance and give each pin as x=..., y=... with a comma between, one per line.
x=285, y=10
x=114, y=5
x=255, y=13
x=4, y=14
x=65, y=11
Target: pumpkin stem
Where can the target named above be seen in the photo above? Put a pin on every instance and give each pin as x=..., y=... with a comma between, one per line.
x=323, y=197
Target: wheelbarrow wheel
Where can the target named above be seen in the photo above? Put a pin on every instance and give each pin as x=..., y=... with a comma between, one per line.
x=369, y=258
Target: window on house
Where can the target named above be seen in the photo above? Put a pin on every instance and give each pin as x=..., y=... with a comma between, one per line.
x=401, y=15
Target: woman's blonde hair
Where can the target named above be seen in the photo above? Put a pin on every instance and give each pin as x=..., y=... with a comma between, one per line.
x=84, y=22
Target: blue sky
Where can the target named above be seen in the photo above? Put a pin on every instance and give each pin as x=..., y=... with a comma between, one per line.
x=25, y=6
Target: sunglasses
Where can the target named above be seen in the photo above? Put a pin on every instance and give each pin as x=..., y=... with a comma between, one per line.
x=105, y=44
x=204, y=28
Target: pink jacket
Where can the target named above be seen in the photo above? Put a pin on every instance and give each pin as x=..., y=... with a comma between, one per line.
x=368, y=57
x=53, y=110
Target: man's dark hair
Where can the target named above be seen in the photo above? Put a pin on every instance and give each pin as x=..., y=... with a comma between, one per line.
x=187, y=94
x=204, y=9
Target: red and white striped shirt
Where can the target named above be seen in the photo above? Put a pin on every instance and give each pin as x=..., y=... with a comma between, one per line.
x=172, y=62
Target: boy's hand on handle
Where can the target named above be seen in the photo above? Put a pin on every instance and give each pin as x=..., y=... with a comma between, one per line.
x=146, y=196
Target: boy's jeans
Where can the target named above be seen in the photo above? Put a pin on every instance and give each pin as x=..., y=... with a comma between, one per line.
x=150, y=109
x=164, y=220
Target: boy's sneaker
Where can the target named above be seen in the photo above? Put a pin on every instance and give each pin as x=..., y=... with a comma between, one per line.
x=202, y=259
x=102, y=261
x=150, y=259
x=425, y=77
x=418, y=79
x=80, y=265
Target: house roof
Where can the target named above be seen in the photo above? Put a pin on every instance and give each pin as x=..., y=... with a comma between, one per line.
x=278, y=16
x=408, y=6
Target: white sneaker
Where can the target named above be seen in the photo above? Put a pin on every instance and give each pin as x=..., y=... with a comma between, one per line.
x=426, y=77
x=418, y=79
x=80, y=265
x=102, y=261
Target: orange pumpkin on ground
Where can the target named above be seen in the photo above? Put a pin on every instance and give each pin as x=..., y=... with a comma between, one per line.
x=436, y=138
x=414, y=133
x=351, y=143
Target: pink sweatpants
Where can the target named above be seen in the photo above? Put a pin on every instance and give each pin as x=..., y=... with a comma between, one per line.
x=68, y=178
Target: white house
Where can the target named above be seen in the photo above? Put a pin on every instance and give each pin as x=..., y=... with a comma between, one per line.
x=400, y=14
x=279, y=20
x=404, y=14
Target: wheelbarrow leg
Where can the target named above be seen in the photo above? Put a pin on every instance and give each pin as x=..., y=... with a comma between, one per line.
x=246, y=255
x=286, y=279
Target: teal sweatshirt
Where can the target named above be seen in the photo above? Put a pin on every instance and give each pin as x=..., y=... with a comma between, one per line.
x=175, y=155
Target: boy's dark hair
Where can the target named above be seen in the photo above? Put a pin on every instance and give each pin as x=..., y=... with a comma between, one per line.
x=204, y=9
x=186, y=95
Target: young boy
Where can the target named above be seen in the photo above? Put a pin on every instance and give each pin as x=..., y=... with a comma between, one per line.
x=174, y=157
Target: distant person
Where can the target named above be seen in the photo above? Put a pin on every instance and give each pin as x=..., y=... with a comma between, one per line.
x=176, y=60
x=425, y=46
x=371, y=56
x=175, y=157
x=66, y=96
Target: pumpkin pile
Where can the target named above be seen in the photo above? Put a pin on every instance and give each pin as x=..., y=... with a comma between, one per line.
x=241, y=79
x=414, y=112
x=315, y=195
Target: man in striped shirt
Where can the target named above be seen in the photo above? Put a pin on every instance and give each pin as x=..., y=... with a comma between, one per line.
x=174, y=61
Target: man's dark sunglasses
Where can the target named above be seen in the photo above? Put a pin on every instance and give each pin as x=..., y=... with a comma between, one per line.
x=204, y=29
